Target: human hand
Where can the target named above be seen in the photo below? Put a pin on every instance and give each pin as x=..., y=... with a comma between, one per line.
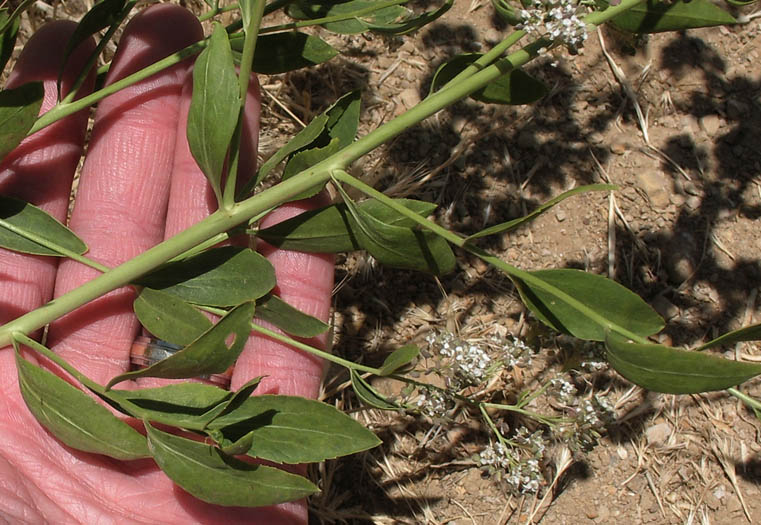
x=139, y=184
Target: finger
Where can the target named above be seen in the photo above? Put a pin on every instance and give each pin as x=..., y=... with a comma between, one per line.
x=121, y=204
x=305, y=281
x=40, y=170
x=191, y=198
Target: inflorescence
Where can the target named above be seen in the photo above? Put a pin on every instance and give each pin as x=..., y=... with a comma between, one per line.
x=516, y=458
x=556, y=20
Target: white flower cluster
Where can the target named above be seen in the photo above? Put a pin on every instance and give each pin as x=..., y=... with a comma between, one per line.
x=562, y=390
x=433, y=403
x=524, y=477
x=470, y=362
x=496, y=456
x=556, y=20
x=592, y=417
x=531, y=441
x=517, y=353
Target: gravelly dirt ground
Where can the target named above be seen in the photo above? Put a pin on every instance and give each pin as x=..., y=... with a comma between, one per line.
x=682, y=232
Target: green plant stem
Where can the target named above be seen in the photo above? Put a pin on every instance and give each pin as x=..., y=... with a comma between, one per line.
x=211, y=13
x=251, y=32
x=23, y=339
x=16, y=13
x=494, y=429
x=129, y=271
x=93, y=58
x=47, y=243
x=312, y=350
x=62, y=110
x=335, y=18
x=459, y=241
x=745, y=398
x=313, y=177
x=493, y=54
x=551, y=421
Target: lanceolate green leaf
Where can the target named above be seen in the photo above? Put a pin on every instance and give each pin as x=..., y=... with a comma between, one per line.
x=368, y=395
x=411, y=23
x=18, y=217
x=599, y=305
x=308, y=10
x=511, y=225
x=331, y=229
x=289, y=429
x=399, y=358
x=654, y=16
x=224, y=276
x=665, y=369
x=749, y=333
x=506, y=11
x=282, y=52
x=184, y=405
x=7, y=38
x=303, y=138
x=214, y=107
x=402, y=247
x=515, y=87
x=212, y=476
x=307, y=158
x=209, y=354
x=102, y=15
x=169, y=318
x=343, y=118
x=74, y=417
x=19, y=108
x=273, y=309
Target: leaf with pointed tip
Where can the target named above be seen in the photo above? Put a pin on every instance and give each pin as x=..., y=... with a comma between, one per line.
x=672, y=371
x=169, y=318
x=102, y=15
x=288, y=429
x=399, y=358
x=368, y=395
x=225, y=276
x=586, y=305
x=209, y=354
x=514, y=88
x=749, y=333
x=214, y=107
x=184, y=405
x=239, y=447
x=511, y=225
x=309, y=10
x=19, y=108
x=331, y=229
x=283, y=52
x=74, y=417
x=506, y=12
x=302, y=139
x=18, y=217
x=399, y=247
x=411, y=22
x=303, y=160
x=273, y=309
x=343, y=118
x=654, y=16
x=214, y=477
x=237, y=399
x=8, y=37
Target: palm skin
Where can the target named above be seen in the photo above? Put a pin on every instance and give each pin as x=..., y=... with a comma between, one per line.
x=139, y=185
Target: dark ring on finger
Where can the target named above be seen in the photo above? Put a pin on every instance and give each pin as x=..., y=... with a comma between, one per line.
x=147, y=351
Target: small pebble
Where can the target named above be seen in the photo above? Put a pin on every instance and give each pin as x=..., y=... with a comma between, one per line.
x=619, y=148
